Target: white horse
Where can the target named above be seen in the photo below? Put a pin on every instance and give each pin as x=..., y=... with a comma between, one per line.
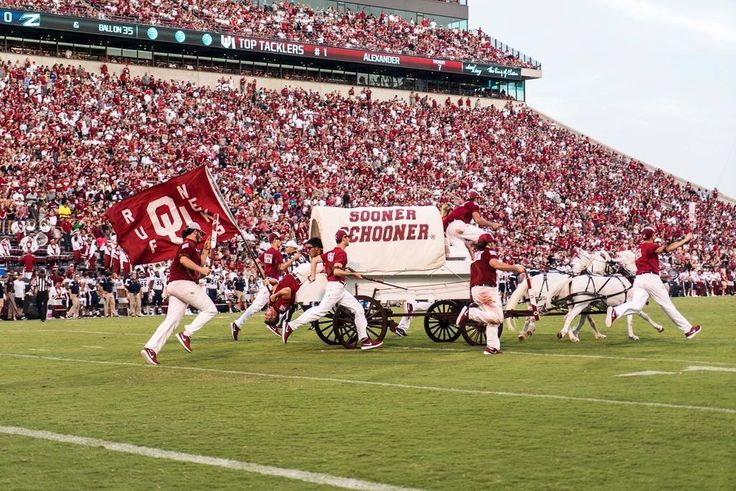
x=549, y=287
x=546, y=288
x=587, y=290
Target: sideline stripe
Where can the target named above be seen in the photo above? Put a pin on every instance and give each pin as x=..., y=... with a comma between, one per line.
x=156, y=453
x=645, y=373
x=469, y=349
x=709, y=369
x=390, y=385
x=562, y=355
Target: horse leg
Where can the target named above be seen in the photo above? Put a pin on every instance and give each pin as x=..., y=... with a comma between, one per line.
x=571, y=314
x=528, y=330
x=596, y=332
x=657, y=327
x=581, y=322
x=629, y=324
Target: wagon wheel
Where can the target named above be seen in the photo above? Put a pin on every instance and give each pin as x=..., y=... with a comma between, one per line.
x=474, y=333
x=439, y=321
x=344, y=327
x=325, y=327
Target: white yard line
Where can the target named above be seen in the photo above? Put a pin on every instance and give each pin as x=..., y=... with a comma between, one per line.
x=645, y=373
x=38, y=349
x=467, y=349
x=709, y=369
x=425, y=388
x=157, y=453
x=564, y=355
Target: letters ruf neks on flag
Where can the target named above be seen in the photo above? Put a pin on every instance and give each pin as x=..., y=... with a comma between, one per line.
x=149, y=224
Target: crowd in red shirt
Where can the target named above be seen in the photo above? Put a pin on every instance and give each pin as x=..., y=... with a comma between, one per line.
x=87, y=140
x=294, y=22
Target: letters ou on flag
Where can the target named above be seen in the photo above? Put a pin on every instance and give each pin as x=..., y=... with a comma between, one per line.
x=149, y=224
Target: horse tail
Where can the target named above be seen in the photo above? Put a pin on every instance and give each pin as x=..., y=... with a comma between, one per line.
x=514, y=300
x=518, y=295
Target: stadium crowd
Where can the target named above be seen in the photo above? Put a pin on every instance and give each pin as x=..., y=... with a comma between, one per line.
x=294, y=22
x=75, y=142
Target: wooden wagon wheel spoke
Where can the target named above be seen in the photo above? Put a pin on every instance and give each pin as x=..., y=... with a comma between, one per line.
x=474, y=334
x=439, y=321
x=325, y=328
x=377, y=317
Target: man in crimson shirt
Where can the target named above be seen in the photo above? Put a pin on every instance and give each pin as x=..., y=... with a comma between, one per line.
x=335, y=263
x=457, y=223
x=273, y=267
x=649, y=284
x=484, y=292
x=284, y=294
x=183, y=290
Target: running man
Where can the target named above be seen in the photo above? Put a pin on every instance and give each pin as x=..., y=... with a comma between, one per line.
x=273, y=267
x=183, y=291
x=335, y=263
x=484, y=292
x=649, y=284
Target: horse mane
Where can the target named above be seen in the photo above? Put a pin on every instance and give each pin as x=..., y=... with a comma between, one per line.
x=627, y=259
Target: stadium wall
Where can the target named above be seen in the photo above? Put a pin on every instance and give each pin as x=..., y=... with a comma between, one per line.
x=210, y=79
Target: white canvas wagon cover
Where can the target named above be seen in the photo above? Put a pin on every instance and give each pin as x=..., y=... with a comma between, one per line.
x=387, y=239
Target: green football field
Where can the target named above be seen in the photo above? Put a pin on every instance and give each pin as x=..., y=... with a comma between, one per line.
x=79, y=409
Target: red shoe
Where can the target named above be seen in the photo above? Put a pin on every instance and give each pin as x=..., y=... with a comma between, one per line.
x=274, y=330
x=286, y=332
x=150, y=356
x=610, y=316
x=185, y=341
x=492, y=351
x=234, y=330
x=368, y=344
x=692, y=332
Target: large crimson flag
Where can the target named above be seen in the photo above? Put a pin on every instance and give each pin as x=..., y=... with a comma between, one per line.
x=149, y=224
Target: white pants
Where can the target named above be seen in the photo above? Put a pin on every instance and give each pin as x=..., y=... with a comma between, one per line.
x=182, y=293
x=335, y=294
x=650, y=285
x=405, y=321
x=458, y=232
x=260, y=301
x=488, y=312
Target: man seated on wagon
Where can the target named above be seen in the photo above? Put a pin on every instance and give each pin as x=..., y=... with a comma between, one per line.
x=458, y=226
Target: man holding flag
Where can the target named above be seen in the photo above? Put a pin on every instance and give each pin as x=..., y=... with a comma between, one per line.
x=148, y=226
x=183, y=291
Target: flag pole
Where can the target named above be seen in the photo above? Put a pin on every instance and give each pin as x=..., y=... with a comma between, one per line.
x=248, y=249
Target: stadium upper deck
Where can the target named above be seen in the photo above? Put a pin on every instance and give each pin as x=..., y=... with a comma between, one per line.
x=284, y=21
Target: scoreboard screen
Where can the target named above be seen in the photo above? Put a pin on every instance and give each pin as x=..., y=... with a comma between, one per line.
x=208, y=39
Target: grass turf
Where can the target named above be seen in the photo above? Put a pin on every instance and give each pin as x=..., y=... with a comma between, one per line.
x=435, y=416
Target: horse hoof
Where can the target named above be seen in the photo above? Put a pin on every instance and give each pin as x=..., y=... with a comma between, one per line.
x=559, y=335
x=574, y=339
x=601, y=336
x=521, y=337
x=634, y=338
x=660, y=329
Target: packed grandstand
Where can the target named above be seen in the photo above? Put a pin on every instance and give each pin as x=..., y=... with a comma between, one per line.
x=76, y=140
x=293, y=22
